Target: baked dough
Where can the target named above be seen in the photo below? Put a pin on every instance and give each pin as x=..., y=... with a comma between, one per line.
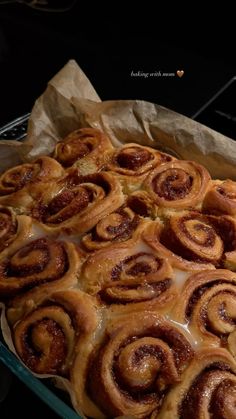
x=118, y=274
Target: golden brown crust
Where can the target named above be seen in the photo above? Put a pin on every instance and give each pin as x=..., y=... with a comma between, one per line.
x=85, y=148
x=129, y=276
x=38, y=266
x=207, y=304
x=8, y=227
x=225, y=227
x=18, y=233
x=111, y=272
x=118, y=226
x=221, y=198
x=76, y=203
x=138, y=359
x=207, y=388
x=178, y=185
x=184, y=250
x=45, y=338
x=142, y=204
x=132, y=163
x=22, y=184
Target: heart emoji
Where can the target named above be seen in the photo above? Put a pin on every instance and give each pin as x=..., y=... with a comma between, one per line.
x=180, y=73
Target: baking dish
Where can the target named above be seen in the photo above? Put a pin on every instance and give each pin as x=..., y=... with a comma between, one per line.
x=16, y=130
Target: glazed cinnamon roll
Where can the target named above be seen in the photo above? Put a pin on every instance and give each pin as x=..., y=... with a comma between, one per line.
x=207, y=389
x=132, y=162
x=208, y=304
x=76, y=203
x=188, y=240
x=221, y=198
x=13, y=228
x=142, y=204
x=8, y=227
x=85, y=148
x=129, y=275
x=45, y=338
x=119, y=226
x=17, y=185
x=225, y=226
x=43, y=265
x=140, y=357
x=178, y=185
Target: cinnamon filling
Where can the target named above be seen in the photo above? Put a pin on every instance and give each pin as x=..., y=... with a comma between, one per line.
x=192, y=402
x=196, y=295
x=122, y=229
x=154, y=290
x=34, y=262
x=73, y=150
x=8, y=226
x=172, y=184
x=227, y=189
x=199, y=226
x=199, y=233
x=67, y=204
x=172, y=243
x=226, y=230
x=139, y=206
x=38, y=335
x=223, y=401
x=17, y=178
x=133, y=158
x=139, y=264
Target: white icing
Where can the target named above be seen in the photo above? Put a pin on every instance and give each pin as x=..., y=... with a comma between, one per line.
x=180, y=277
x=142, y=247
x=37, y=231
x=73, y=239
x=184, y=327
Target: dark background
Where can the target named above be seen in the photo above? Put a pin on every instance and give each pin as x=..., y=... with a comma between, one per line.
x=109, y=44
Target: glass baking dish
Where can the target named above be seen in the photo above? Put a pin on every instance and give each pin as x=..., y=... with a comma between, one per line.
x=16, y=130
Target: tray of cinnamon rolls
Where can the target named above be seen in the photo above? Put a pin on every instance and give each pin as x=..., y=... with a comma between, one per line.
x=118, y=278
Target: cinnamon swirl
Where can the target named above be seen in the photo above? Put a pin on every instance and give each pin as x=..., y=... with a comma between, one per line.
x=45, y=338
x=129, y=275
x=221, y=198
x=207, y=389
x=76, y=203
x=178, y=185
x=85, y=148
x=140, y=357
x=132, y=163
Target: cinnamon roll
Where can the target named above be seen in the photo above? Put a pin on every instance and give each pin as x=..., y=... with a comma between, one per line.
x=188, y=240
x=13, y=229
x=129, y=275
x=142, y=204
x=132, y=162
x=45, y=338
x=76, y=203
x=140, y=357
x=221, y=198
x=207, y=389
x=111, y=272
x=178, y=185
x=17, y=185
x=85, y=148
x=119, y=226
x=208, y=304
x=225, y=226
x=43, y=265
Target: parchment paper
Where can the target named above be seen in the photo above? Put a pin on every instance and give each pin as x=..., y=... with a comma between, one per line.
x=70, y=102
